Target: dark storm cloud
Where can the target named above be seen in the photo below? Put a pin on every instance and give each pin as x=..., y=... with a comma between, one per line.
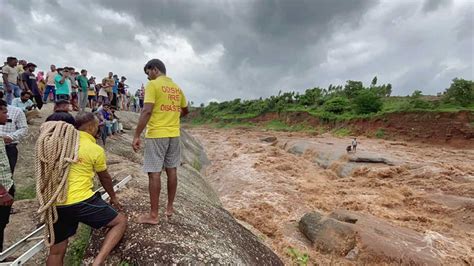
x=247, y=49
x=430, y=5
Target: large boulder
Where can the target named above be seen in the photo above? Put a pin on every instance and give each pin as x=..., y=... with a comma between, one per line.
x=377, y=241
x=327, y=234
x=200, y=232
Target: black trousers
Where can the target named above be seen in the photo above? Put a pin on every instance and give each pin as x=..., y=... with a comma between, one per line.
x=5, y=217
x=114, y=100
x=12, y=154
x=39, y=101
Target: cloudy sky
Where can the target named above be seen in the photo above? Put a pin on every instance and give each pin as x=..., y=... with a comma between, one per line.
x=219, y=50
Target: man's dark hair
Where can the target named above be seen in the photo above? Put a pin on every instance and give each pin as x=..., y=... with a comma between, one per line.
x=82, y=71
x=3, y=103
x=23, y=93
x=1, y=94
x=83, y=118
x=11, y=58
x=62, y=116
x=155, y=63
x=30, y=65
x=59, y=69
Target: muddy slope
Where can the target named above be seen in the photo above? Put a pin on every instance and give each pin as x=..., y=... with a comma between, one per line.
x=451, y=128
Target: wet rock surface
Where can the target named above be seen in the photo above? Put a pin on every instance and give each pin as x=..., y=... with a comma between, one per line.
x=360, y=159
x=200, y=232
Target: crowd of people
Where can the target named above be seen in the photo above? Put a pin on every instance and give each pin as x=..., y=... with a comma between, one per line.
x=161, y=104
x=66, y=83
x=23, y=89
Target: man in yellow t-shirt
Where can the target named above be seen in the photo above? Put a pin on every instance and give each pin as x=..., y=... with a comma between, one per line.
x=165, y=103
x=81, y=204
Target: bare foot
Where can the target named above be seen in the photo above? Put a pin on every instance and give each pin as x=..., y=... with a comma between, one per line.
x=169, y=212
x=147, y=219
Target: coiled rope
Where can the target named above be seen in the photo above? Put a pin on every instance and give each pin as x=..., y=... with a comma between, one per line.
x=56, y=148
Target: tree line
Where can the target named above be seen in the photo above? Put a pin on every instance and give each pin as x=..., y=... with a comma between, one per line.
x=351, y=99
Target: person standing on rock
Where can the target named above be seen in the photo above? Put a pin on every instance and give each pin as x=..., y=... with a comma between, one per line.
x=354, y=145
x=164, y=104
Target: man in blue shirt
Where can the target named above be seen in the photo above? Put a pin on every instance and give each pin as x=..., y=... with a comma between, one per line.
x=62, y=83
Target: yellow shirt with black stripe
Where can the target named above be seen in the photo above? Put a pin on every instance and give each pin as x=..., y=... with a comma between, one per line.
x=91, y=159
x=168, y=99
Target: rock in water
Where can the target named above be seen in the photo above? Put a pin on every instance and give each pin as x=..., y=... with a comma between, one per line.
x=269, y=139
x=368, y=239
x=200, y=232
x=327, y=234
x=359, y=159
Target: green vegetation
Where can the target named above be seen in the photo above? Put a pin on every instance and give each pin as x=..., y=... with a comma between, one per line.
x=337, y=103
x=27, y=192
x=332, y=105
x=380, y=133
x=461, y=92
x=298, y=257
x=77, y=247
x=279, y=125
x=342, y=132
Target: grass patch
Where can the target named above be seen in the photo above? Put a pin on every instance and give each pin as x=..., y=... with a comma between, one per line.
x=27, y=192
x=341, y=132
x=77, y=248
x=298, y=257
x=380, y=133
x=239, y=116
x=277, y=125
x=197, y=164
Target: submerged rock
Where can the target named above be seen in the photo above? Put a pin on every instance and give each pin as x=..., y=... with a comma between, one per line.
x=270, y=139
x=361, y=159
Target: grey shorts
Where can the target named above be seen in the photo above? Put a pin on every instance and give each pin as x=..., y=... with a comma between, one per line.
x=161, y=152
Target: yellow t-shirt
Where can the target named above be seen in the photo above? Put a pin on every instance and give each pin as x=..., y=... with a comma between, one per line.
x=80, y=179
x=91, y=90
x=168, y=99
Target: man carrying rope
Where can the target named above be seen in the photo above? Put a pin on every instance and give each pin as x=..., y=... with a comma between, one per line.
x=81, y=204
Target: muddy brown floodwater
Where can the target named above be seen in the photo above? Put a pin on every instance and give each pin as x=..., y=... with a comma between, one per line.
x=429, y=189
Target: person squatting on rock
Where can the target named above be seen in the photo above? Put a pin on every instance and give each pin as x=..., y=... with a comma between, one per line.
x=81, y=204
x=164, y=104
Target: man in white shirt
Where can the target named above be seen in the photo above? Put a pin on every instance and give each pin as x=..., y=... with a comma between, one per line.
x=50, y=87
x=12, y=132
x=24, y=102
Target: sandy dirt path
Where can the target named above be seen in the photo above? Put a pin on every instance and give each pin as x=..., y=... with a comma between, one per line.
x=430, y=189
